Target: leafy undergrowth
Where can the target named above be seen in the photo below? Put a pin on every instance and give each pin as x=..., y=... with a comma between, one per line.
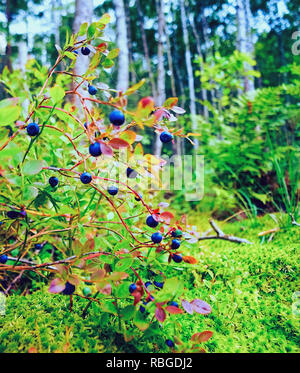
x=249, y=287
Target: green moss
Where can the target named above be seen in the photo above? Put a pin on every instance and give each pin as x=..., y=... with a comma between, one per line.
x=249, y=287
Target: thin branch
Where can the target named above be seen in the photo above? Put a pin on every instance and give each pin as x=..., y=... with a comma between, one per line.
x=222, y=236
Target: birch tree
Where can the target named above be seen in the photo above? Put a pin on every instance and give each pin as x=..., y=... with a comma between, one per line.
x=122, y=42
x=132, y=74
x=199, y=52
x=161, y=90
x=189, y=68
x=244, y=37
x=83, y=13
x=145, y=47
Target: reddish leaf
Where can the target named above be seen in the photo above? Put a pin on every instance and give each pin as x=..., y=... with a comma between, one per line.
x=160, y=314
x=128, y=136
x=117, y=143
x=102, y=47
x=32, y=350
x=187, y=306
x=117, y=276
x=189, y=259
x=166, y=216
x=98, y=275
x=105, y=290
x=147, y=102
x=106, y=150
x=158, y=114
x=202, y=337
x=170, y=102
x=137, y=296
x=73, y=279
x=57, y=285
x=174, y=310
x=200, y=306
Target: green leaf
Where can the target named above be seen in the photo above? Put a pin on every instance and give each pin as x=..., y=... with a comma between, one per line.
x=12, y=101
x=30, y=192
x=70, y=55
x=33, y=167
x=9, y=114
x=109, y=307
x=128, y=312
x=140, y=321
x=124, y=264
x=91, y=30
x=122, y=290
x=135, y=87
x=57, y=93
x=83, y=29
x=113, y=53
x=107, y=63
x=105, y=19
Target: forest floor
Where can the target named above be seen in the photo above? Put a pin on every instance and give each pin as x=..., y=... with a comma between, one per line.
x=250, y=289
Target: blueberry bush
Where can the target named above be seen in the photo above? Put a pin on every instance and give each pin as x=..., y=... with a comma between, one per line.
x=77, y=216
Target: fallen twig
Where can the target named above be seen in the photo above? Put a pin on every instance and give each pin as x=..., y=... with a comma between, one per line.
x=294, y=221
x=222, y=236
x=273, y=230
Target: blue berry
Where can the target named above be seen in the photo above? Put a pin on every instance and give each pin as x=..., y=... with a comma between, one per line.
x=92, y=90
x=176, y=233
x=33, y=129
x=117, y=118
x=166, y=137
x=142, y=309
x=1, y=222
x=69, y=289
x=53, y=181
x=170, y=343
x=15, y=214
x=75, y=52
x=3, y=259
x=112, y=190
x=151, y=222
x=175, y=244
x=38, y=246
x=85, y=51
x=158, y=284
x=174, y=304
x=138, y=198
x=131, y=173
x=132, y=288
x=95, y=149
x=85, y=125
x=148, y=283
x=156, y=237
x=177, y=258
x=86, y=178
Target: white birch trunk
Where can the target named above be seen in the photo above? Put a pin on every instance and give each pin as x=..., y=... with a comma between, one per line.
x=189, y=71
x=122, y=41
x=244, y=37
x=161, y=90
x=22, y=55
x=83, y=13
x=145, y=46
x=198, y=45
